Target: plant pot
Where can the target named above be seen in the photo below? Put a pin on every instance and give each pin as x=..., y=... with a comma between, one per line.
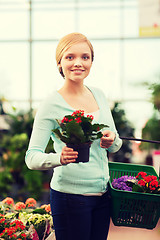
x=82, y=149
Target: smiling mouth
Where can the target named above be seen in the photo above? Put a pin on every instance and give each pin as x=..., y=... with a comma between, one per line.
x=77, y=70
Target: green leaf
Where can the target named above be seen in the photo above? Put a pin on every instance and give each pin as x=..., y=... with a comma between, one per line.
x=137, y=188
x=39, y=210
x=87, y=127
x=73, y=129
x=97, y=127
x=96, y=136
x=60, y=136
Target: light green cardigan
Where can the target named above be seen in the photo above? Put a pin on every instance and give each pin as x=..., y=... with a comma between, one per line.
x=76, y=178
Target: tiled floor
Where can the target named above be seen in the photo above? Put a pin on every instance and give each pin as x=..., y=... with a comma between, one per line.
x=127, y=233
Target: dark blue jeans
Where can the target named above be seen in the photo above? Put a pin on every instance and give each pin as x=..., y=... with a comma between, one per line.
x=78, y=217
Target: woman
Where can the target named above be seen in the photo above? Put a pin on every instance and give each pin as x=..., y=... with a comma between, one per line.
x=80, y=201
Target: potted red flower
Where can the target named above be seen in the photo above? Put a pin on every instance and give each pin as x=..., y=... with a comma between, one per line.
x=78, y=132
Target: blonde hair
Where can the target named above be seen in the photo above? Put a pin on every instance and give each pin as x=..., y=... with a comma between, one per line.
x=66, y=42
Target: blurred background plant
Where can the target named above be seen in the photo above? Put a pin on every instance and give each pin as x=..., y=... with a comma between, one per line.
x=125, y=129
x=16, y=179
x=151, y=130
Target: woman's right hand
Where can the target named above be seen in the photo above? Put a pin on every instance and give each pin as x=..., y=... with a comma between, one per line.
x=68, y=155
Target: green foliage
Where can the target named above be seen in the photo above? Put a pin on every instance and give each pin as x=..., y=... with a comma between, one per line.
x=13, y=146
x=151, y=131
x=125, y=129
x=33, y=179
x=155, y=88
x=6, y=180
x=21, y=123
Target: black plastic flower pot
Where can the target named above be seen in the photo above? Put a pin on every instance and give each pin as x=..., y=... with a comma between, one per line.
x=83, y=150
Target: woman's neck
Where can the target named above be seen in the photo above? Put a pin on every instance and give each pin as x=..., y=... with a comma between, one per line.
x=73, y=88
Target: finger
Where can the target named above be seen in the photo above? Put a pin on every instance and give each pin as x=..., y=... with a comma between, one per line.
x=70, y=161
x=69, y=158
x=105, y=144
x=71, y=154
x=65, y=161
x=70, y=151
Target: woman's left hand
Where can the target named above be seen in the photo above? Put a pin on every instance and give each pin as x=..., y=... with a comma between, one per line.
x=107, y=139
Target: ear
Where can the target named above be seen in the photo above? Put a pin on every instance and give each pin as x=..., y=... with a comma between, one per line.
x=60, y=69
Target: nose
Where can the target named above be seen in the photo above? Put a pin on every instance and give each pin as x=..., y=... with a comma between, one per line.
x=77, y=62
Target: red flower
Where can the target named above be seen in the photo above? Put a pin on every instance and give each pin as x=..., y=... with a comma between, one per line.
x=17, y=224
x=78, y=120
x=78, y=113
x=31, y=202
x=47, y=207
x=8, y=201
x=154, y=183
x=141, y=182
x=152, y=188
x=141, y=174
x=19, y=206
x=154, y=177
x=148, y=179
x=2, y=220
x=23, y=235
x=64, y=120
x=90, y=116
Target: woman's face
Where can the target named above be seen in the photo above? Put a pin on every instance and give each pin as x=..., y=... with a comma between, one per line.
x=76, y=62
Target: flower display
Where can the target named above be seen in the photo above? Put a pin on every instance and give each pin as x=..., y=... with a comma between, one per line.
x=140, y=183
x=31, y=202
x=78, y=128
x=14, y=229
x=121, y=183
x=47, y=207
x=146, y=183
x=24, y=221
x=9, y=201
x=19, y=206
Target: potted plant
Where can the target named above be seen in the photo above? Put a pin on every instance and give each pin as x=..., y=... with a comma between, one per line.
x=78, y=132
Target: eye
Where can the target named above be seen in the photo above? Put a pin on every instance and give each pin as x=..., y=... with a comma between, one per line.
x=69, y=57
x=85, y=57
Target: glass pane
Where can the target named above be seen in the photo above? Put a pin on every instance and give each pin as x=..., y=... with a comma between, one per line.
x=138, y=112
x=14, y=25
x=142, y=64
x=14, y=71
x=130, y=22
x=101, y=4
x=99, y=23
x=53, y=24
x=13, y=1
x=46, y=77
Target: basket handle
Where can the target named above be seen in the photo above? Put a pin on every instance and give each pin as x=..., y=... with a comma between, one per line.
x=138, y=139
